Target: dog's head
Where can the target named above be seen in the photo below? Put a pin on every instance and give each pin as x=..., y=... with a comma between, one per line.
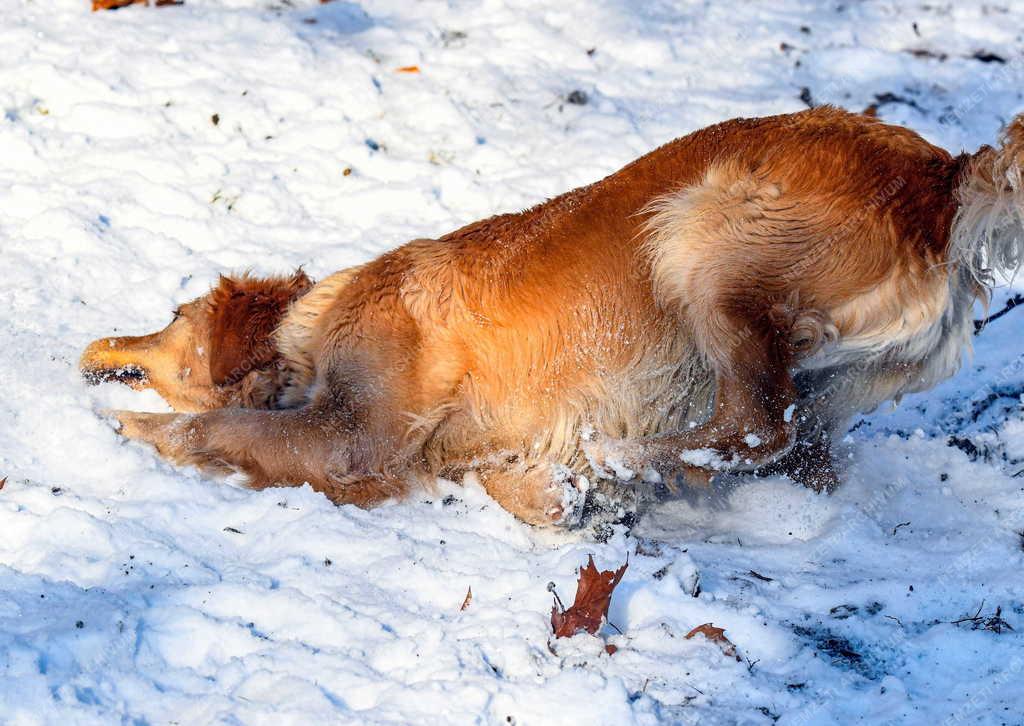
x=210, y=347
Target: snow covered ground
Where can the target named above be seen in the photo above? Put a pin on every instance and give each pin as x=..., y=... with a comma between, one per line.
x=145, y=150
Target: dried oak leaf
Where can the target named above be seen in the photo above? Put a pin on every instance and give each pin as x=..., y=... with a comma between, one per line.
x=115, y=4
x=408, y=69
x=593, y=595
x=3, y=482
x=468, y=600
x=717, y=636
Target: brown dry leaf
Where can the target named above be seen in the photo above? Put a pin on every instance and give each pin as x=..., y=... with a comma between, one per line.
x=468, y=600
x=115, y=4
x=408, y=69
x=3, y=482
x=717, y=636
x=593, y=596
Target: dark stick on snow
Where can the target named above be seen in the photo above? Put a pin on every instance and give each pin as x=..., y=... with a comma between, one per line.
x=970, y=618
x=553, y=591
x=1013, y=302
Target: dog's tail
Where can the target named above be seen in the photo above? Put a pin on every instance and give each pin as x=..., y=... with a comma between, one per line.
x=987, y=235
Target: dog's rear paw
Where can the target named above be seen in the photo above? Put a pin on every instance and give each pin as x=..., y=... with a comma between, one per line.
x=610, y=458
x=568, y=494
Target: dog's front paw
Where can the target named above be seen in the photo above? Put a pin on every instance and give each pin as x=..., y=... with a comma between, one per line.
x=173, y=435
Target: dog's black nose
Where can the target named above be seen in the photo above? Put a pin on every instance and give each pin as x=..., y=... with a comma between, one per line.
x=126, y=374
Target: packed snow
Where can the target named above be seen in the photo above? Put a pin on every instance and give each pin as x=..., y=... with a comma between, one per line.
x=144, y=151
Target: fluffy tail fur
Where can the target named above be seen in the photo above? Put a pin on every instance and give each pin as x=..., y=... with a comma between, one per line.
x=987, y=236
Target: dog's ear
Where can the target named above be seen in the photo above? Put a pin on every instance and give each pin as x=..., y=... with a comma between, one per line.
x=244, y=313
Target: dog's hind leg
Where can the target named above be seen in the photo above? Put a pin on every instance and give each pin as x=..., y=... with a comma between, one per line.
x=748, y=427
x=721, y=254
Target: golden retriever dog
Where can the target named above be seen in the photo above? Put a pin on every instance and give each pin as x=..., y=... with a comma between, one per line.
x=723, y=304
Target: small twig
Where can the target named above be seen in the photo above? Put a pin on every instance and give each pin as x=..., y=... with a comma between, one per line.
x=1013, y=302
x=760, y=577
x=996, y=624
x=617, y=628
x=553, y=591
x=901, y=524
x=893, y=617
x=750, y=665
x=993, y=623
x=973, y=618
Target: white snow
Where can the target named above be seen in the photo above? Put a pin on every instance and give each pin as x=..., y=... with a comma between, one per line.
x=707, y=458
x=134, y=592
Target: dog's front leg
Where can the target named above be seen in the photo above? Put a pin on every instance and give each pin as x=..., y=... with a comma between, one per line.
x=273, y=448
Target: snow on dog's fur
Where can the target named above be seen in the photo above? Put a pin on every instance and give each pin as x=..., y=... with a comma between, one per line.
x=726, y=302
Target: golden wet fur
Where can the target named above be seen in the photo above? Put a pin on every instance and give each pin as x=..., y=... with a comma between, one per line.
x=724, y=303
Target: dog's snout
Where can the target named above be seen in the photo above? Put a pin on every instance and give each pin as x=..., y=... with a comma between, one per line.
x=113, y=360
